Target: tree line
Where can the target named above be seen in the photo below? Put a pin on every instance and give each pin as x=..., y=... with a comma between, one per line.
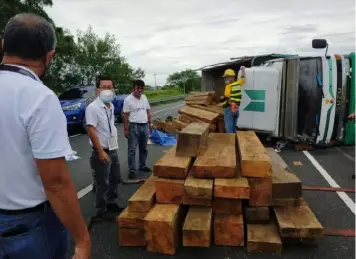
x=79, y=58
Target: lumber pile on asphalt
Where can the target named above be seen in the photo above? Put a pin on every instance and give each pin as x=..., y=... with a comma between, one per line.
x=201, y=107
x=218, y=189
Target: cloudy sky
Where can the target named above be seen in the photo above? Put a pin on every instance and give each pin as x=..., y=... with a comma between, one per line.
x=165, y=36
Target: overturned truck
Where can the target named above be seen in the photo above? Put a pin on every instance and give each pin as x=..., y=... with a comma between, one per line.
x=299, y=99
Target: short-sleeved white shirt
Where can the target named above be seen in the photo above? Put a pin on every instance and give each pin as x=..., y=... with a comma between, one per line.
x=98, y=115
x=137, y=108
x=33, y=126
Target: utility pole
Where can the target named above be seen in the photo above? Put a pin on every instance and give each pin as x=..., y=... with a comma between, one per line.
x=155, y=81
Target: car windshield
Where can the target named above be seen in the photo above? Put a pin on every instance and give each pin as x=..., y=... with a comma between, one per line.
x=77, y=93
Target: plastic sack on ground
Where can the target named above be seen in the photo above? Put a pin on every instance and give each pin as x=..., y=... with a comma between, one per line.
x=162, y=138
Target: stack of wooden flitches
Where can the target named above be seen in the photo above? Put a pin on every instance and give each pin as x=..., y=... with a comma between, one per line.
x=201, y=107
x=214, y=188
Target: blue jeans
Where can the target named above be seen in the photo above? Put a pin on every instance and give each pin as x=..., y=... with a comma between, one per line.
x=230, y=119
x=37, y=235
x=138, y=136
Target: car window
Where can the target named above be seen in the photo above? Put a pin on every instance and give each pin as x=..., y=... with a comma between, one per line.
x=71, y=94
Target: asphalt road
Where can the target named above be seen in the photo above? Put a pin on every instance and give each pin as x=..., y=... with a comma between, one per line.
x=315, y=168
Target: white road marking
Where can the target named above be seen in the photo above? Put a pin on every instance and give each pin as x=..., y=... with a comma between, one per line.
x=85, y=191
x=346, y=199
x=76, y=135
x=168, y=109
x=345, y=154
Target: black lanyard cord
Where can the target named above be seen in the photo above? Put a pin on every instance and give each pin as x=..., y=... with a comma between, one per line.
x=18, y=70
x=109, y=120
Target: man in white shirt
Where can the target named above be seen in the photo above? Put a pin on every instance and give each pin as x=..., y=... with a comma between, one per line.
x=137, y=124
x=102, y=132
x=38, y=199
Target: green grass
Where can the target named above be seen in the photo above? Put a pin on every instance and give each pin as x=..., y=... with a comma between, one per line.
x=156, y=94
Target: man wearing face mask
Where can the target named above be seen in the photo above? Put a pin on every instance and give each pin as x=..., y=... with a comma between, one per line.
x=137, y=124
x=232, y=98
x=38, y=199
x=103, y=139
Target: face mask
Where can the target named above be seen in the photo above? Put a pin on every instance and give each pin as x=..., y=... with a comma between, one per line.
x=227, y=82
x=106, y=96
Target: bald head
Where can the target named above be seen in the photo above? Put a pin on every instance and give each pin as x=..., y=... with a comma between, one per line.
x=29, y=37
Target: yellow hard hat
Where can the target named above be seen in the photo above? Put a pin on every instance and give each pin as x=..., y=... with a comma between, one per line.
x=229, y=72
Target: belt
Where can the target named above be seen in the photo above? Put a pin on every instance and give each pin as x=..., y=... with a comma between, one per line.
x=105, y=149
x=137, y=123
x=38, y=208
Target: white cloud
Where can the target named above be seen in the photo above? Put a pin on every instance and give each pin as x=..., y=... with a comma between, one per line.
x=165, y=36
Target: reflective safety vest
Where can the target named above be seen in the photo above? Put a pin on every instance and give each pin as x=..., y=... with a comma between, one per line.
x=233, y=92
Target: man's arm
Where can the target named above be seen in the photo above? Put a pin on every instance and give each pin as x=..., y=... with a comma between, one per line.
x=47, y=130
x=126, y=110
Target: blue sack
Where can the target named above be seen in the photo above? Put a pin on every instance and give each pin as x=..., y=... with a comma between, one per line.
x=163, y=139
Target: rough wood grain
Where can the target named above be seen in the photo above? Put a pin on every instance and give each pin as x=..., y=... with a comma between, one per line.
x=228, y=230
x=293, y=202
x=188, y=119
x=197, y=227
x=169, y=191
x=172, y=166
x=263, y=238
x=254, y=159
x=227, y=206
x=143, y=199
x=298, y=222
x=235, y=188
x=210, y=108
x=179, y=125
x=131, y=237
x=285, y=184
x=219, y=158
x=197, y=202
x=221, y=125
x=260, y=191
x=165, y=126
x=196, y=188
x=192, y=139
x=162, y=228
x=257, y=215
x=128, y=219
x=205, y=116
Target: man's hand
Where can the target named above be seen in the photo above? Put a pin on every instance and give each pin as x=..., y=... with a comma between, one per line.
x=150, y=128
x=104, y=157
x=127, y=133
x=82, y=252
x=234, y=107
x=352, y=116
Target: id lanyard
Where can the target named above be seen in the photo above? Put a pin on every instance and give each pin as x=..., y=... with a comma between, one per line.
x=18, y=70
x=109, y=120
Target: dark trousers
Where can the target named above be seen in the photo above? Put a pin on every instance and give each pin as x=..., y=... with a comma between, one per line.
x=138, y=136
x=107, y=178
x=37, y=235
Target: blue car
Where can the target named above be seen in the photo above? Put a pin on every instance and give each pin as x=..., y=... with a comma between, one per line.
x=75, y=100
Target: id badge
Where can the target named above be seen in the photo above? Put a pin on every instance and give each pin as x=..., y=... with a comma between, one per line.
x=113, y=144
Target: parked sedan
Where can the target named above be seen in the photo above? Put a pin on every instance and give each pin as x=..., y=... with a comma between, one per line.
x=75, y=100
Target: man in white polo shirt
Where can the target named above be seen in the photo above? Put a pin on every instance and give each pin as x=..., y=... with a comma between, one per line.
x=103, y=139
x=137, y=124
x=38, y=199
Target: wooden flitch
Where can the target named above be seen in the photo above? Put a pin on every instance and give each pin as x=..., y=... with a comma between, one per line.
x=197, y=227
x=219, y=158
x=255, y=161
x=192, y=139
x=172, y=166
x=143, y=199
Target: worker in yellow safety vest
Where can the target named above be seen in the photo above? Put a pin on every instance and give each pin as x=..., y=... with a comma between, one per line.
x=232, y=98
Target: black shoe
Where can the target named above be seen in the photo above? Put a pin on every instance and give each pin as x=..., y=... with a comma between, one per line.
x=145, y=169
x=132, y=174
x=113, y=207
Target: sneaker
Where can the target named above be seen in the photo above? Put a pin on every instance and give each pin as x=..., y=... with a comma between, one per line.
x=146, y=169
x=132, y=174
